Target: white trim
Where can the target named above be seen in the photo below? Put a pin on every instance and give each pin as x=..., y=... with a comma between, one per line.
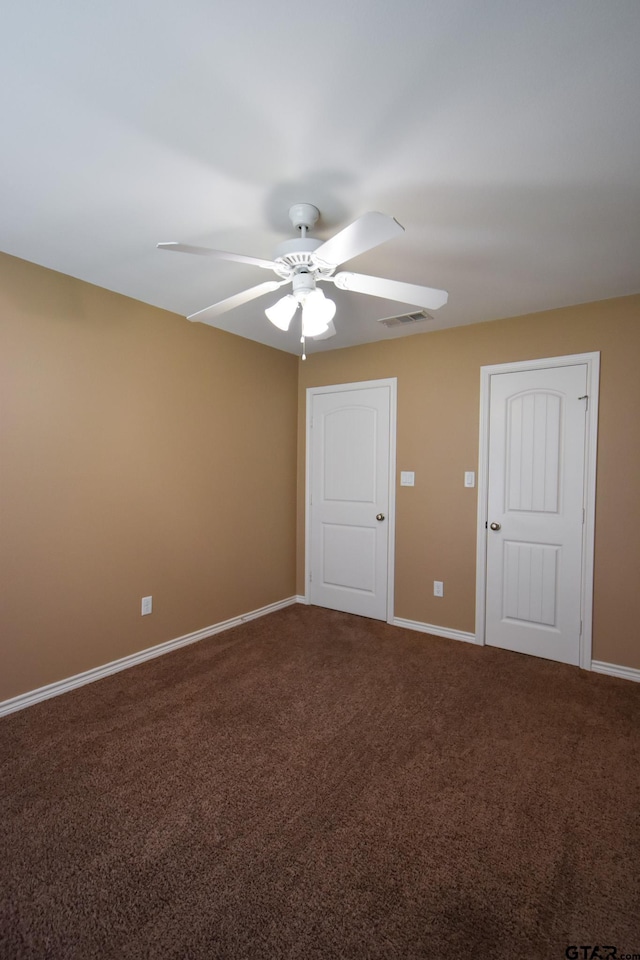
x=592, y=361
x=448, y=632
x=97, y=673
x=391, y=516
x=613, y=670
x=301, y=599
x=307, y=494
x=597, y=666
x=588, y=542
x=392, y=383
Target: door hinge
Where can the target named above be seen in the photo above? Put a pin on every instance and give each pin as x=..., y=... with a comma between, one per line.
x=581, y=628
x=310, y=576
x=584, y=514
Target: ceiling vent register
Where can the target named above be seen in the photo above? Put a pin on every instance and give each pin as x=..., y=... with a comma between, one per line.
x=404, y=318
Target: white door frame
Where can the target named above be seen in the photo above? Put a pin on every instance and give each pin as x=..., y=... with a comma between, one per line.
x=592, y=360
x=392, y=383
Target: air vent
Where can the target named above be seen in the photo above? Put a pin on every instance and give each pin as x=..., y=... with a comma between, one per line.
x=405, y=318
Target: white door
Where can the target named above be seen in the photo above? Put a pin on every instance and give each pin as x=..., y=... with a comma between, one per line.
x=536, y=512
x=349, y=493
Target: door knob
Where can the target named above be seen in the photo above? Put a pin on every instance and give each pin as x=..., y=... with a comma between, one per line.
x=495, y=526
x=379, y=516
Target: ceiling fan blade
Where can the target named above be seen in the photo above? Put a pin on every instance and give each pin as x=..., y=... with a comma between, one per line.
x=203, y=316
x=427, y=297
x=218, y=254
x=363, y=234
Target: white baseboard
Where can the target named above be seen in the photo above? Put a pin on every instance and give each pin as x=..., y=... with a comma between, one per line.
x=97, y=673
x=613, y=670
x=301, y=599
x=598, y=666
x=447, y=632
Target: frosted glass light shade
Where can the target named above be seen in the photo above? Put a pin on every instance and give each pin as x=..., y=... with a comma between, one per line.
x=317, y=314
x=329, y=332
x=281, y=313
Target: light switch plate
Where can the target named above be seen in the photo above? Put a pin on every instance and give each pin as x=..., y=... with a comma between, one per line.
x=469, y=478
x=407, y=478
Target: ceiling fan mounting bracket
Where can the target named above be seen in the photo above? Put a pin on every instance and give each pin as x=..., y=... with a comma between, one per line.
x=304, y=215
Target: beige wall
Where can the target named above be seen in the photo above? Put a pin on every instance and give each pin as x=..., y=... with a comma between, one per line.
x=139, y=454
x=438, y=409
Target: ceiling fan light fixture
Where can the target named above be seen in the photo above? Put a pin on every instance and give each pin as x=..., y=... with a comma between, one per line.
x=281, y=313
x=328, y=333
x=317, y=314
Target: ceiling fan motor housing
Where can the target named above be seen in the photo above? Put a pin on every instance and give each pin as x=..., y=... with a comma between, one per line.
x=294, y=256
x=297, y=251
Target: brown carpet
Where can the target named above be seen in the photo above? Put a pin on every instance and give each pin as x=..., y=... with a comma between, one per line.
x=315, y=785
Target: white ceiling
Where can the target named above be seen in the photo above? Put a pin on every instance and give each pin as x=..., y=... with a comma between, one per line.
x=504, y=135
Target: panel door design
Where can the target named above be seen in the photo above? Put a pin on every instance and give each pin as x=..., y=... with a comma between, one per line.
x=535, y=504
x=349, y=488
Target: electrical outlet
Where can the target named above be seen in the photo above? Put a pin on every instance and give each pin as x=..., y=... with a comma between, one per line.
x=438, y=588
x=147, y=605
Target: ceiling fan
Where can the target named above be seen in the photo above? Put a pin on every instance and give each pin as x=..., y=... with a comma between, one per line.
x=304, y=262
